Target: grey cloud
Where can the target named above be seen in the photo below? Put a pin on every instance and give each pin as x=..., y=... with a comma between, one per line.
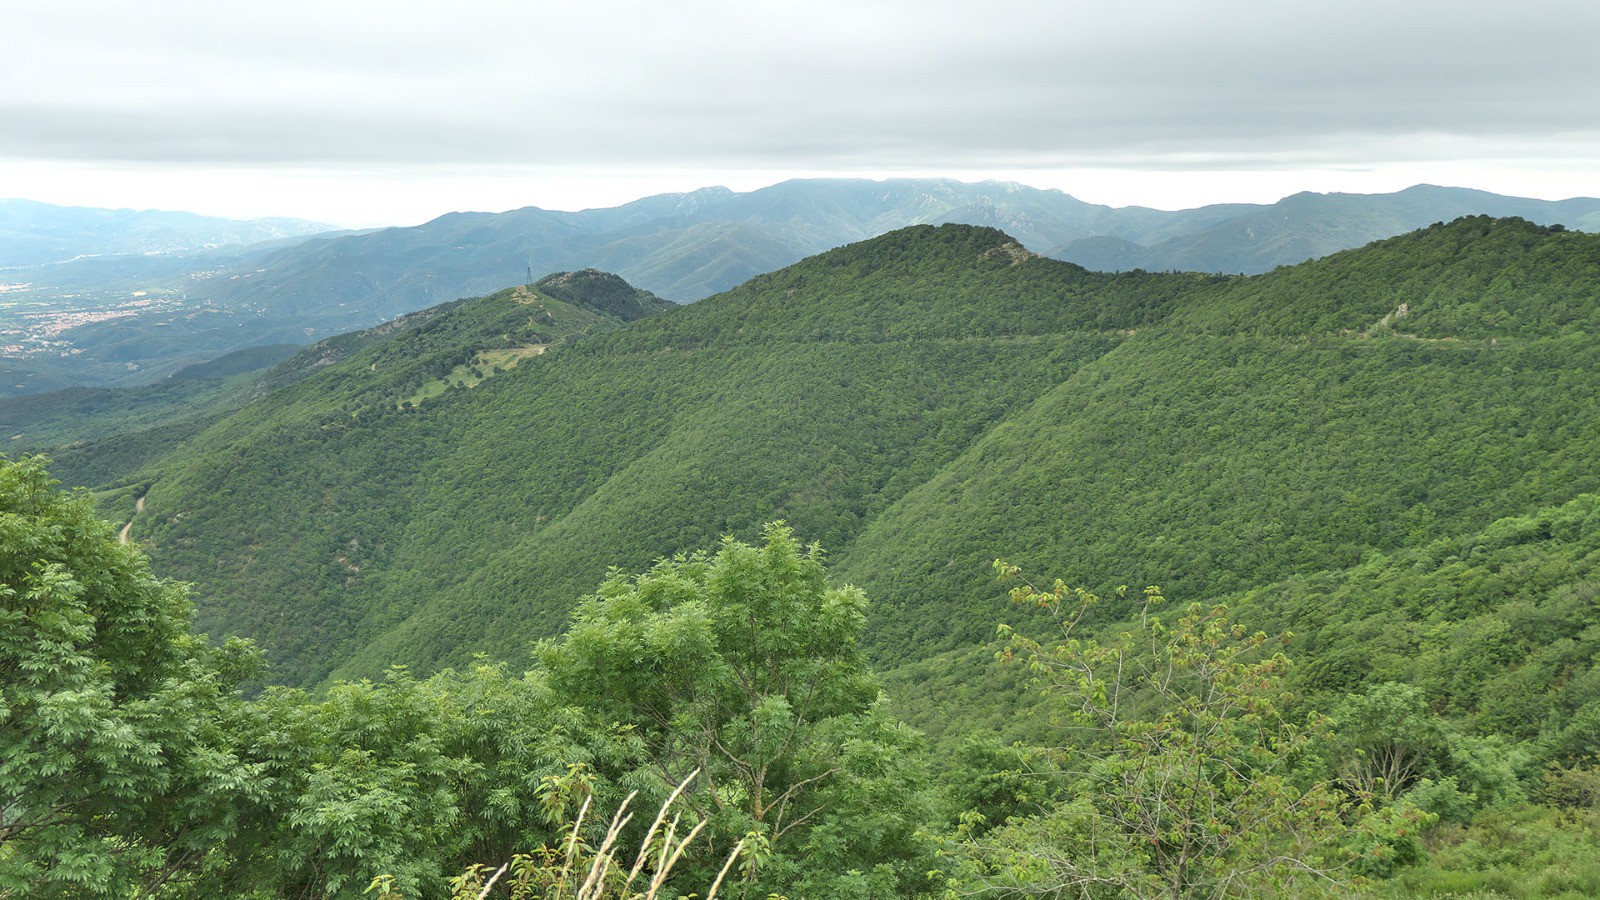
x=729, y=84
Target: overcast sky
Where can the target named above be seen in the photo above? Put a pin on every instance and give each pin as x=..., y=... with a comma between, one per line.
x=392, y=112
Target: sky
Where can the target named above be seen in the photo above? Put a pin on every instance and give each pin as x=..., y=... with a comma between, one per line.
x=362, y=113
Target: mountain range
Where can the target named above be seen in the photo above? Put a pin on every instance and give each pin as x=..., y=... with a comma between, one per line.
x=130, y=319
x=920, y=403
x=688, y=246
x=34, y=234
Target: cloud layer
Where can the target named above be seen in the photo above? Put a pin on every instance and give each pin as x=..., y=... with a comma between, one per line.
x=772, y=85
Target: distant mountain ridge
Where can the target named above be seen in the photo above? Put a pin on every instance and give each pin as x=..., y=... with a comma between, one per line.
x=679, y=246
x=1308, y=225
x=688, y=246
x=33, y=233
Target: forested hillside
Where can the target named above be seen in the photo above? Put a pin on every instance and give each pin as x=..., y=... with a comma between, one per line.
x=644, y=444
x=101, y=434
x=1283, y=423
x=82, y=414
x=128, y=320
x=367, y=383
x=921, y=403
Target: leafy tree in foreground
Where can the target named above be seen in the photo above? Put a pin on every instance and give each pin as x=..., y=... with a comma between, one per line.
x=1180, y=764
x=113, y=776
x=130, y=765
x=414, y=780
x=744, y=665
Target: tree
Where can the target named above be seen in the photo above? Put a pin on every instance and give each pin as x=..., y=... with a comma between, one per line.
x=415, y=780
x=1179, y=759
x=744, y=665
x=1383, y=740
x=112, y=774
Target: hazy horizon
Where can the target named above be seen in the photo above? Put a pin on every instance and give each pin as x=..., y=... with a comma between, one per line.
x=363, y=114
x=580, y=208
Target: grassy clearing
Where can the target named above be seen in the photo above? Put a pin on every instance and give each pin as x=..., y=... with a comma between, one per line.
x=484, y=366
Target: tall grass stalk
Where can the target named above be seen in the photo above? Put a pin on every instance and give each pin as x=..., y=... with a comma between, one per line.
x=535, y=876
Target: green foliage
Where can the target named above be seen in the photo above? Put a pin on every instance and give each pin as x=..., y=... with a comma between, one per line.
x=1383, y=741
x=1391, y=651
x=111, y=766
x=1474, y=279
x=1180, y=765
x=133, y=765
x=355, y=534
x=413, y=779
x=1388, y=840
x=743, y=666
x=49, y=420
x=99, y=435
x=1491, y=769
x=1573, y=787
x=969, y=694
x=1496, y=630
x=1525, y=852
x=298, y=437
x=1213, y=464
x=990, y=784
x=1443, y=799
x=1340, y=469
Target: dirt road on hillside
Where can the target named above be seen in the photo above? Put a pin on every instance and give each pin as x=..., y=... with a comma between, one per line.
x=127, y=530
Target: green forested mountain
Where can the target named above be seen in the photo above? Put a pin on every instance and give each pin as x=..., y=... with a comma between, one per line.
x=1384, y=457
x=921, y=404
x=645, y=442
x=1498, y=628
x=681, y=246
x=34, y=421
x=131, y=765
x=1286, y=422
x=190, y=399
x=382, y=392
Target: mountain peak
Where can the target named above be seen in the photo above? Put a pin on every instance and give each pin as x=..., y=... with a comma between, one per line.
x=589, y=275
x=602, y=292
x=923, y=248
